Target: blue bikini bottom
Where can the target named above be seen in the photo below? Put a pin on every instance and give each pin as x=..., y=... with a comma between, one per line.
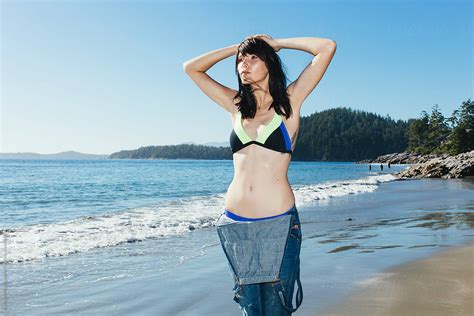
x=236, y=217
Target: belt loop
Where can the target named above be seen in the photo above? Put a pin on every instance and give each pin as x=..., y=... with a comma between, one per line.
x=217, y=220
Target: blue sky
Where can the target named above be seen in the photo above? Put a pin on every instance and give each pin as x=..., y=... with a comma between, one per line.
x=103, y=76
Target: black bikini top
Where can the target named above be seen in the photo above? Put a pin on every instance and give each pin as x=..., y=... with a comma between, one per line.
x=275, y=136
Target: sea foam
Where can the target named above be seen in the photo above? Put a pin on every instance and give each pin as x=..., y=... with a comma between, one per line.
x=152, y=221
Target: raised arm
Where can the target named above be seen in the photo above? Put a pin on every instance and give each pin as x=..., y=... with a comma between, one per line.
x=323, y=50
x=196, y=69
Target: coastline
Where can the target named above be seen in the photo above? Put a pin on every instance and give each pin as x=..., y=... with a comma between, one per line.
x=430, y=166
x=399, y=222
x=441, y=284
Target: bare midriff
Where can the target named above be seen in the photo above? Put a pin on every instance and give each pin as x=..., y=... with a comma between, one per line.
x=260, y=186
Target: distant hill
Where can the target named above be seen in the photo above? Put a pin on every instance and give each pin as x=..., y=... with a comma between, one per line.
x=212, y=144
x=344, y=134
x=61, y=155
x=217, y=144
x=183, y=151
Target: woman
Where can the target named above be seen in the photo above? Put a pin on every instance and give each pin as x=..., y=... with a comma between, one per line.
x=262, y=237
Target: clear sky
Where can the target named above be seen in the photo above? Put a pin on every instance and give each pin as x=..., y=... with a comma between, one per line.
x=103, y=76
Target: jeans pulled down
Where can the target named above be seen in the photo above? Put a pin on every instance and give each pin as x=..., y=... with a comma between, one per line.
x=264, y=257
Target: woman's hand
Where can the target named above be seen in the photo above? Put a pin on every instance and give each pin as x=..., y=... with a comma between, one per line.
x=267, y=38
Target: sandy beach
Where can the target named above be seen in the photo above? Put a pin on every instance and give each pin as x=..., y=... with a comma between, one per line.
x=439, y=285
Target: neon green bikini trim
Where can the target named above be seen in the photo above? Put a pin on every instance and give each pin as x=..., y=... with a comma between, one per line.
x=262, y=138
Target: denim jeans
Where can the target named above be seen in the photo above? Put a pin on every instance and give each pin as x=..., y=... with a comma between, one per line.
x=264, y=258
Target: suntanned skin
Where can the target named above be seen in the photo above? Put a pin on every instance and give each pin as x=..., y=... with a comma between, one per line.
x=260, y=185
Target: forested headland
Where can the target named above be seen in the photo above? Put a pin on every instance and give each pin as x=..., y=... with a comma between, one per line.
x=344, y=134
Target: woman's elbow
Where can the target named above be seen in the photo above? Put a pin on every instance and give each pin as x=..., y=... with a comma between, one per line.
x=332, y=44
x=186, y=66
x=190, y=66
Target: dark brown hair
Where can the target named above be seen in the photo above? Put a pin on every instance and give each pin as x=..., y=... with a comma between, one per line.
x=277, y=79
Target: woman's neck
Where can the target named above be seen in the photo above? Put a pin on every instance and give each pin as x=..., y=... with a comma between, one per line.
x=263, y=102
x=262, y=109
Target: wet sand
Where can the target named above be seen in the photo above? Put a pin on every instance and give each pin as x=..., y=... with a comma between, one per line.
x=439, y=285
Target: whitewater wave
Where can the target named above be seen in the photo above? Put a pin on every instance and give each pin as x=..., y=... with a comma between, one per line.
x=309, y=193
x=154, y=221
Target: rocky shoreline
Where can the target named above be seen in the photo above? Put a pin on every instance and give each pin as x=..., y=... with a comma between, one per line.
x=430, y=166
x=403, y=158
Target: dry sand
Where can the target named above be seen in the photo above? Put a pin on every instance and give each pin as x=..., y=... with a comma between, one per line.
x=439, y=285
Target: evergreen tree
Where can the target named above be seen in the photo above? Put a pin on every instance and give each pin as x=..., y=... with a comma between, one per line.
x=418, y=134
x=435, y=134
x=461, y=138
x=438, y=130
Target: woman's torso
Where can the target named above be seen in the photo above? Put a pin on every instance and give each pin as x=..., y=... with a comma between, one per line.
x=260, y=185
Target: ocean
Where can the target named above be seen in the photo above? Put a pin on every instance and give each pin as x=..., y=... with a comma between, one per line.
x=61, y=207
x=138, y=236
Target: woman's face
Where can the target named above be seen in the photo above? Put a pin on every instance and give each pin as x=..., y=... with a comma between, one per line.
x=251, y=68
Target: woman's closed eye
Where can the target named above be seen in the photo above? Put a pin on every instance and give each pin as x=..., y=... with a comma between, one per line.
x=251, y=57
